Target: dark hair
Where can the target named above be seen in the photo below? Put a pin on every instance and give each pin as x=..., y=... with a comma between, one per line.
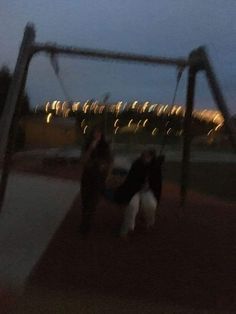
x=102, y=150
x=150, y=152
x=91, y=134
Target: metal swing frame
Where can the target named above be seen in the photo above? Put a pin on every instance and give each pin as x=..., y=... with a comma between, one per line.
x=197, y=61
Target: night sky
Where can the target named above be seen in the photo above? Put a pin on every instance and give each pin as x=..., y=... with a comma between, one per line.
x=155, y=27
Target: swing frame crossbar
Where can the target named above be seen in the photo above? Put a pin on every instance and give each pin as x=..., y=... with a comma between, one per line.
x=196, y=61
x=108, y=55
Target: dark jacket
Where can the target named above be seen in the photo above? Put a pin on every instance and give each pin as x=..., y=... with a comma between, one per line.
x=96, y=169
x=139, y=174
x=155, y=176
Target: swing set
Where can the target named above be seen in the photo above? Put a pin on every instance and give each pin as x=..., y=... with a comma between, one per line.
x=197, y=61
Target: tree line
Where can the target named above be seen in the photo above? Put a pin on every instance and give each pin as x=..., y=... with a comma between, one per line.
x=24, y=103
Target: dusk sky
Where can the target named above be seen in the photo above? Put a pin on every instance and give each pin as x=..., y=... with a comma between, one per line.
x=154, y=27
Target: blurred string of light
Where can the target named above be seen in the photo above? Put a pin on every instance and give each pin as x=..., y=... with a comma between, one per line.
x=218, y=120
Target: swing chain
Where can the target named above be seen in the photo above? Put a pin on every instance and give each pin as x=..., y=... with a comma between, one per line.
x=180, y=70
x=56, y=68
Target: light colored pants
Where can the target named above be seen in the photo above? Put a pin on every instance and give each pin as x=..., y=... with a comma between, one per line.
x=143, y=201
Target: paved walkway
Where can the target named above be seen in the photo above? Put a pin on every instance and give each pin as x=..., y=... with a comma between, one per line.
x=34, y=208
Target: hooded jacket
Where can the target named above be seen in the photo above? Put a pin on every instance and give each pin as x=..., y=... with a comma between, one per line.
x=139, y=175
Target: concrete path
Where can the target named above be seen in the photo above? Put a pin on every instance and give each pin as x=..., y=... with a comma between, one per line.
x=33, y=210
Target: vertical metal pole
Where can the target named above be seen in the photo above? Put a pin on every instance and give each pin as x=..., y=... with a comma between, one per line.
x=218, y=95
x=187, y=134
x=9, y=118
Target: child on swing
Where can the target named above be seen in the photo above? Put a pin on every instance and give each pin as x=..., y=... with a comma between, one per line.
x=141, y=191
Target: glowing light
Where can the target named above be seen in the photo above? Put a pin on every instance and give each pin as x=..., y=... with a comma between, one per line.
x=178, y=110
x=209, y=133
x=85, y=129
x=218, y=126
x=154, y=131
x=64, y=105
x=93, y=105
x=119, y=105
x=67, y=112
x=85, y=106
x=165, y=108
x=49, y=117
x=159, y=111
x=112, y=108
x=215, y=118
x=129, y=124
x=82, y=123
x=125, y=105
x=218, y=119
x=202, y=114
x=101, y=109
x=134, y=104
x=115, y=123
x=138, y=125
x=152, y=107
x=145, y=106
x=36, y=108
x=54, y=104
x=95, y=109
x=145, y=122
x=173, y=110
x=116, y=130
x=58, y=107
x=210, y=116
x=168, y=131
x=47, y=106
x=75, y=106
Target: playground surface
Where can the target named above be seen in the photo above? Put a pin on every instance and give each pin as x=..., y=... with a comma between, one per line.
x=185, y=265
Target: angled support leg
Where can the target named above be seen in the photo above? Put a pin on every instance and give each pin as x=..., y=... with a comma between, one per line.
x=10, y=116
x=187, y=135
x=218, y=96
x=195, y=66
